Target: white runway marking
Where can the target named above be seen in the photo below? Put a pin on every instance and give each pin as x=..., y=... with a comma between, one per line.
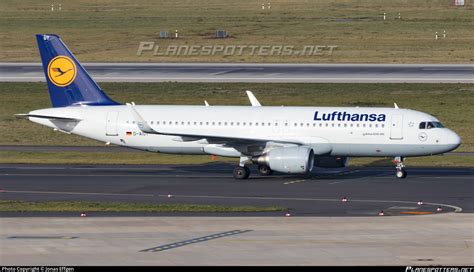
x=294, y=181
x=343, y=181
x=403, y=208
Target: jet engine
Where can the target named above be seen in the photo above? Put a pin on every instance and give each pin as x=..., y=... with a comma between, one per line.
x=295, y=160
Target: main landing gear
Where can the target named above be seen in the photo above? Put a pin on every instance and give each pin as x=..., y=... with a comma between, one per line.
x=264, y=170
x=243, y=172
x=401, y=173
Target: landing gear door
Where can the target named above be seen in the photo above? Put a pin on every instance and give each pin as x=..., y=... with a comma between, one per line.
x=111, y=123
x=396, y=127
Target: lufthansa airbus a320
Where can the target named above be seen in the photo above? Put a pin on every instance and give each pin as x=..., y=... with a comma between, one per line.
x=282, y=139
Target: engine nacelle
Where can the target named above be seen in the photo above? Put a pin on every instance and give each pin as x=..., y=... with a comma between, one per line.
x=331, y=162
x=295, y=160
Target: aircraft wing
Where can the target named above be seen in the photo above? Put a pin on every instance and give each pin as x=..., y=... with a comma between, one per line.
x=145, y=127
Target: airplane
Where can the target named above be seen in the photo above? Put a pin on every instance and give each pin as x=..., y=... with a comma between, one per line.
x=276, y=138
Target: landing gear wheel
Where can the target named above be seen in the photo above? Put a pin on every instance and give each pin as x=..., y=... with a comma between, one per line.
x=264, y=170
x=401, y=174
x=241, y=172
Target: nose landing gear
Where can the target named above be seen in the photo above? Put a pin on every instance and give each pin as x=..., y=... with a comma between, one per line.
x=400, y=173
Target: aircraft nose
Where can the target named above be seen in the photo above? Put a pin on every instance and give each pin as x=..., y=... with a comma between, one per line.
x=452, y=140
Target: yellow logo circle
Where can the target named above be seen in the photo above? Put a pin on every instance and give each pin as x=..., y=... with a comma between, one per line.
x=62, y=71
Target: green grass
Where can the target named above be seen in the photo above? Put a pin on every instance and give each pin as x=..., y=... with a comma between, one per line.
x=451, y=103
x=110, y=30
x=105, y=158
x=89, y=206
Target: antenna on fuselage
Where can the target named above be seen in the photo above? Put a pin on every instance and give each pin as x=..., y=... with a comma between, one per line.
x=395, y=105
x=205, y=103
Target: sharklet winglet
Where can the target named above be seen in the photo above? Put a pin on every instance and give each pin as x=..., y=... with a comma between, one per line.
x=253, y=100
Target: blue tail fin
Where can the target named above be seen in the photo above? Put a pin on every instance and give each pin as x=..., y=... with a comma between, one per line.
x=68, y=82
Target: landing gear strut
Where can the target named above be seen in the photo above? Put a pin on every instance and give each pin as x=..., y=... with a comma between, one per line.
x=264, y=170
x=242, y=171
x=401, y=173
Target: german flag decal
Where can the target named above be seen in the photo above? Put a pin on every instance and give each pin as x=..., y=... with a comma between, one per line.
x=129, y=133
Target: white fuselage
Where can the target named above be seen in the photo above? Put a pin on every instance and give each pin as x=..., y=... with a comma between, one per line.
x=354, y=134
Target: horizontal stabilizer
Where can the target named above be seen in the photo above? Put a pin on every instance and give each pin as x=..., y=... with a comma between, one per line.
x=27, y=116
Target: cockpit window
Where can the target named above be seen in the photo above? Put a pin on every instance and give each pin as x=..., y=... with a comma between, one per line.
x=437, y=125
x=429, y=125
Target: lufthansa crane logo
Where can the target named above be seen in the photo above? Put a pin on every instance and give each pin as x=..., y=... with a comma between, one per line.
x=62, y=71
x=422, y=136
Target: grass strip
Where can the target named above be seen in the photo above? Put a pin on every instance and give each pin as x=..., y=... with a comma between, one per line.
x=90, y=206
x=95, y=30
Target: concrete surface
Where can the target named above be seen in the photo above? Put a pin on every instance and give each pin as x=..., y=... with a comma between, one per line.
x=418, y=240
x=256, y=72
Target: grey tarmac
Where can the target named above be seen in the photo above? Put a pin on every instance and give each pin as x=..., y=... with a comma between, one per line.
x=255, y=72
x=368, y=190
